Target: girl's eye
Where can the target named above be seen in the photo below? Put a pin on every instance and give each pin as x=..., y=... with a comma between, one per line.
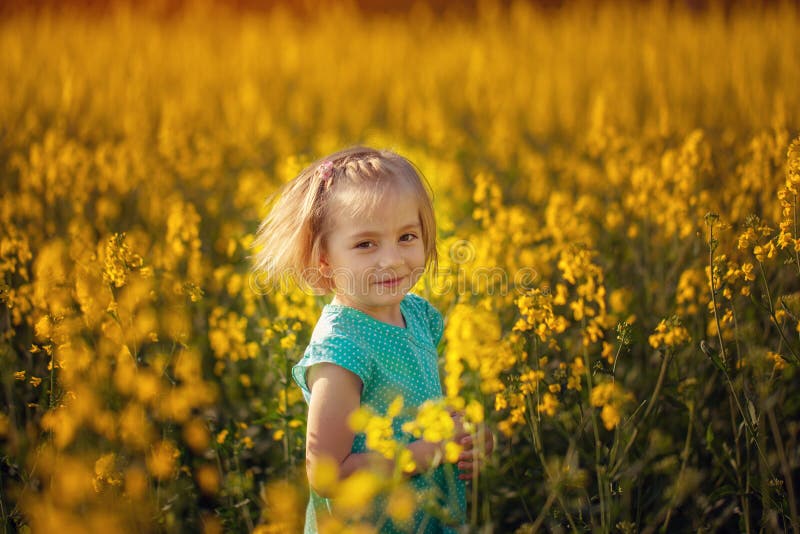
x=364, y=244
x=408, y=237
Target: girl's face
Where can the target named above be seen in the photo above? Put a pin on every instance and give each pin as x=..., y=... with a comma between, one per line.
x=374, y=260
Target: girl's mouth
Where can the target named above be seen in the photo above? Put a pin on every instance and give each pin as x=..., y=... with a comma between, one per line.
x=393, y=282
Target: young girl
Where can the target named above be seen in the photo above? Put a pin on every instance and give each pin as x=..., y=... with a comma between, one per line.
x=359, y=224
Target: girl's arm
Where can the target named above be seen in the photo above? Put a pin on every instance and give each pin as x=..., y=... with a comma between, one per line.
x=335, y=394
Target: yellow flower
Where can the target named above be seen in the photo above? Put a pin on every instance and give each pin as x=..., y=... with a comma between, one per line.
x=610, y=396
x=135, y=482
x=608, y=352
x=610, y=416
x=669, y=333
x=778, y=362
x=746, y=239
x=619, y=299
x=63, y=425
x=357, y=491
x=104, y=471
x=119, y=260
x=19, y=375
x=401, y=504
x=406, y=461
x=207, y=478
x=195, y=434
x=602, y=393
x=326, y=475
x=289, y=341
x=358, y=419
x=72, y=481
x=161, y=460
x=549, y=404
x=451, y=451
x=147, y=387
x=529, y=380
x=395, y=407
x=474, y=411
x=747, y=270
x=561, y=295
x=43, y=328
x=433, y=423
x=222, y=436
x=766, y=252
x=281, y=507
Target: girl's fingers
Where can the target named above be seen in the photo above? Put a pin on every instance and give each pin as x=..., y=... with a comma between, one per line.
x=465, y=454
x=465, y=470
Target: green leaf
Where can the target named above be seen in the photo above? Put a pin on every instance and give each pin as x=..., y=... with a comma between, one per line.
x=721, y=492
x=709, y=437
x=717, y=362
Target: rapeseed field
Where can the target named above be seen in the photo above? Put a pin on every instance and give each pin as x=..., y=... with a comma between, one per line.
x=616, y=188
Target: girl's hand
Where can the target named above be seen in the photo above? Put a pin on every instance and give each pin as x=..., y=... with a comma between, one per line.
x=475, y=451
x=458, y=420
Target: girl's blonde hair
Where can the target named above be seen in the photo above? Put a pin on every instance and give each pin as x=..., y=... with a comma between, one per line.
x=291, y=239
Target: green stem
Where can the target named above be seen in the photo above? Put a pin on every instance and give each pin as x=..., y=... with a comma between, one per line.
x=785, y=467
x=2, y=507
x=684, y=458
x=543, y=513
x=614, y=367
x=711, y=247
x=288, y=458
x=245, y=511
x=752, y=434
x=736, y=333
x=599, y=469
x=51, y=401
x=772, y=315
x=737, y=470
x=651, y=404
x=537, y=446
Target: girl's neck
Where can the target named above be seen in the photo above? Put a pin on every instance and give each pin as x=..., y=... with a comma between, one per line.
x=392, y=316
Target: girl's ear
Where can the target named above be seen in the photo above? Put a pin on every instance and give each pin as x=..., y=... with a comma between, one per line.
x=324, y=266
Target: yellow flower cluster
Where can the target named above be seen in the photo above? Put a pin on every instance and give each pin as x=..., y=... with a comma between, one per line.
x=377, y=429
x=611, y=397
x=119, y=260
x=129, y=206
x=589, y=307
x=474, y=343
x=669, y=334
x=788, y=236
x=536, y=309
x=432, y=423
x=228, y=337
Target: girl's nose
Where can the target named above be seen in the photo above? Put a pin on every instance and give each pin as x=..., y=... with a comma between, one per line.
x=391, y=257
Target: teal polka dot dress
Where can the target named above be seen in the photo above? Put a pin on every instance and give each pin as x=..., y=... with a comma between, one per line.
x=391, y=361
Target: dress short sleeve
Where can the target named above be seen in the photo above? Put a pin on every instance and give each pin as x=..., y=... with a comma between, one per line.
x=338, y=350
x=435, y=322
